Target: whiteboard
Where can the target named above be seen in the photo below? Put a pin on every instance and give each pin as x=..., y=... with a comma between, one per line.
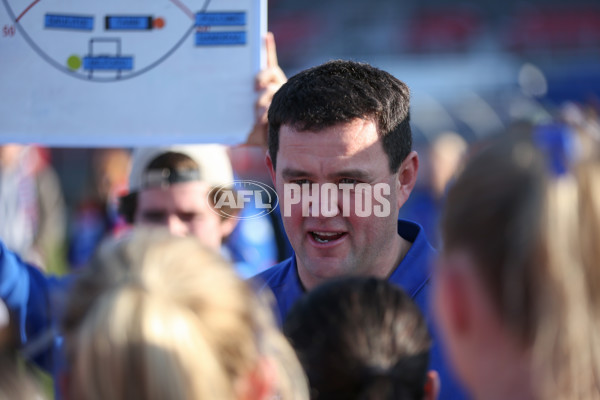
x=129, y=72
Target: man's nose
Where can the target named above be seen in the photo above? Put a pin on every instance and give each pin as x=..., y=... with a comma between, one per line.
x=176, y=226
x=323, y=201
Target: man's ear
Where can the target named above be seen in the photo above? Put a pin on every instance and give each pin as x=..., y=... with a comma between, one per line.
x=452, y=297
x=259, y=383
x=432, y=385
x=270, y=167
x=407, y=177
x=227, y=226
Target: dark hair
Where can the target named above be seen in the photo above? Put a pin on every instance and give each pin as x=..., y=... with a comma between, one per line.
x=339, y=92
x=173, y=162
x=360, y=338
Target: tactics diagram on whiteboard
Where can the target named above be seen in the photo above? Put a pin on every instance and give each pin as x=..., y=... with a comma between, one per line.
x=129, y=72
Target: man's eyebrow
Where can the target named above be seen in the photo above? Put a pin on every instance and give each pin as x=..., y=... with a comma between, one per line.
x=290, y=173
x=352, y=173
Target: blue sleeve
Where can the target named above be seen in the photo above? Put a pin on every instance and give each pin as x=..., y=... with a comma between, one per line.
x=31, y=298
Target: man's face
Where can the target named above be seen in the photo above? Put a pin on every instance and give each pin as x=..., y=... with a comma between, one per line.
x=326, y=247
x=183, y=208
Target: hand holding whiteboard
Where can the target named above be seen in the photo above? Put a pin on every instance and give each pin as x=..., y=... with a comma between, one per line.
x=130, y=73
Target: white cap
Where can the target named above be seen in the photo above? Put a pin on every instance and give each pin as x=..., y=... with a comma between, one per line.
x=212, y=159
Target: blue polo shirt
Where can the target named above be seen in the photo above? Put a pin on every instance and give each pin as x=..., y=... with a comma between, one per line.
x=413, y=275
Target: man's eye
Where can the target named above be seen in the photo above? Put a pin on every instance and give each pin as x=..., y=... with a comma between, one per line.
x=154, y=217
x=188, y=216
x=301, y=181
x=349, y=181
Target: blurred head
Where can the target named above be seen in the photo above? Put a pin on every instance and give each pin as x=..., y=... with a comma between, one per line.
x=343, y=123
x=110, y=169
x=9, y=154
x=515, y=280
x=490, y=264
x=160, y=317
x=445, y=154
x=171, y=186
x=362, y=338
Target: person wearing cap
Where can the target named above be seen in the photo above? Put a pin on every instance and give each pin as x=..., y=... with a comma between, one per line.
x=170, y=186
x=180, y=187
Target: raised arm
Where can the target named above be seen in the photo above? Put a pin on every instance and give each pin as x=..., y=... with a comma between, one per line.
x=267, y=82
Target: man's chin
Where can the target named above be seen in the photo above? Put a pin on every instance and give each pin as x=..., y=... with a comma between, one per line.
x=324, y=268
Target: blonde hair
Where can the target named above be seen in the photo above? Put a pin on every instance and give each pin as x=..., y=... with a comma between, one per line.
x=158, y=317
x=534, y=240
x=567, y=349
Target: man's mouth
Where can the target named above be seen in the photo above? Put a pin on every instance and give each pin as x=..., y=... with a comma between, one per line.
x=326, y=237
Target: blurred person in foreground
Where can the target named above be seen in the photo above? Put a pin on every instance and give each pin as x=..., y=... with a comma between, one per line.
x=362, y=338
x=344, y=126
x=163, y=317
x=517, y=289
